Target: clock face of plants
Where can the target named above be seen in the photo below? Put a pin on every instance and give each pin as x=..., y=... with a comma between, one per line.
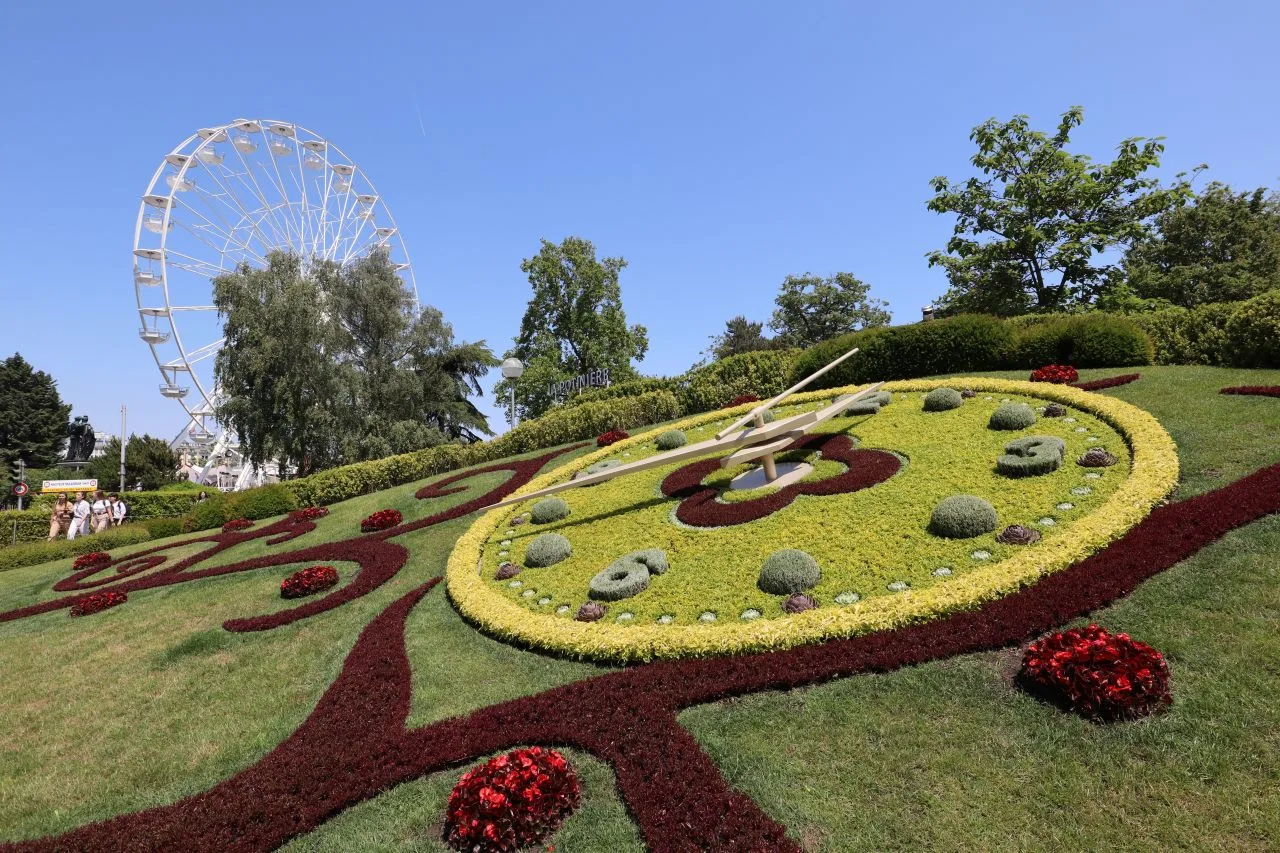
x=898, y=513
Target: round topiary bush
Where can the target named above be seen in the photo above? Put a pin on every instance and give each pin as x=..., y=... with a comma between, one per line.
x=1012, y=416
x=590, y=611
x=789, y=571
x=546, y=550
x=1055, y=410
x=963, y=517
x=1097, y=457
x=602, y=465
x=942, y=399
x=628, y=575
x=671, y=439
x=1031, y=456
x=548, y=510
x=1017, y=534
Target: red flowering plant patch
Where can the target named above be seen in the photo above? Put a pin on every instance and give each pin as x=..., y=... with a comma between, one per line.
x=1059, y=374
x=1097, y=674
x=308, y=581
x=383, y=519
x=236, y=524
x=311, y=513
x=96, y=601
x=511, y=801
x=1109, y=382
x=613, y=436
x=92, y=560
x=741, y=400
x=1253, y=390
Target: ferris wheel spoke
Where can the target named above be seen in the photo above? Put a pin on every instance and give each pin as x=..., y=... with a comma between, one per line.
x=247, y=251
x=284, y=197
x=237, y=207
x=250, y=182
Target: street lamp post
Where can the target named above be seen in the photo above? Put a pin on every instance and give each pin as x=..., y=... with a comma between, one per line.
x=512, y=369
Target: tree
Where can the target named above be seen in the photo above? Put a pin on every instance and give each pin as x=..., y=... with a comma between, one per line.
x=740, y=335
x=1223, y=248
x=146, y=459
x=812, y=309
x=33, y=418
x=573, y=324
x=1028, y=231
x=325, y=364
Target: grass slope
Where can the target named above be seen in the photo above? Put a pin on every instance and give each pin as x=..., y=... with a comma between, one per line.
x=153, y=701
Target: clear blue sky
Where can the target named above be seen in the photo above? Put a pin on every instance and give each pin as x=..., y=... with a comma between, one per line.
x=716, y=146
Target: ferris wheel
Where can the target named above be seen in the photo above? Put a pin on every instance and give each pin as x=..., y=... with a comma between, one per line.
x=230, y=195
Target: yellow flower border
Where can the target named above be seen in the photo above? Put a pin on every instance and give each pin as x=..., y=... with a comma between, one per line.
x=1153, y=475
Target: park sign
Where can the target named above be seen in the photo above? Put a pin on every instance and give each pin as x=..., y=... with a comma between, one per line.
x=590, y=379
x=47, y=486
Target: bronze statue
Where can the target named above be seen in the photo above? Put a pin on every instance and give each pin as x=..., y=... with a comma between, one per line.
x=81, y=440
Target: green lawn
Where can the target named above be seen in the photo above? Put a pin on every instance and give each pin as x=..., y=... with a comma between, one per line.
x=149, y=702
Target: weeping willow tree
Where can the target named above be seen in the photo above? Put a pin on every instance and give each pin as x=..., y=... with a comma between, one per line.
x=325, y=364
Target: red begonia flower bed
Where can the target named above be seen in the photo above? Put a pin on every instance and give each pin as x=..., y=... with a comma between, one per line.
x=236, y=524
x=383, y=519
x=701, y=509
x=1109, y=382
x=741, y=400
x=308, y=581
x=1253, y=390
x=613, y=436
x=92, y=560
x=511, y=801
x=311, y=513
x=1097, y=674
x=1059, y=374
x=97, y=601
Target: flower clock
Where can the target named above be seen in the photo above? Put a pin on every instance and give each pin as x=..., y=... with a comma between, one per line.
x=1058, y=374
x=1097, y=674
x=92, y=560
x=236, y=524
x=383, y=519
x=511, y=801
x=308, y=581
x=97, y=601
x=910, y=505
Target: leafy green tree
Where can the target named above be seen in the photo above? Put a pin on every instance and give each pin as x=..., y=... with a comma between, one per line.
x=325, y=364
x=1030, y=229
x=33, y=418
x=1223, y=248
x=812, y=308
x=740, y=335
x=573, y=324
x=146, y=458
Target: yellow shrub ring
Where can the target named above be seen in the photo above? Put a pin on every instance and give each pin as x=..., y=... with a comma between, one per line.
x=1153, y=474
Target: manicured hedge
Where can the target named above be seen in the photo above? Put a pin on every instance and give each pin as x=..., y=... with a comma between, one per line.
x=1230, y=334
x=969, y=342
x=762, y=374
x=32, y=553
x=1085, y=340
x=634, y=388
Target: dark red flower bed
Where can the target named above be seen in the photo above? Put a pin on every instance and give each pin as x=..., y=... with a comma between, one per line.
x=354, y=745
x=96, y=601
x=699, y=507
x=1059, y=374
x=383, y=519
x=511, y=801
x=1097, y=674
x=1253, y=390
x=311, y=513
x=236, y=524
x=92, y=560
x=1109, y=382
x=613, y=436
x=741, y=400
x=308, y=581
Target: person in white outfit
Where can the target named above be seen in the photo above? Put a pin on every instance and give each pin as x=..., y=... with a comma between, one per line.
x=101, y=508
x=79, y=517
x=118, y=511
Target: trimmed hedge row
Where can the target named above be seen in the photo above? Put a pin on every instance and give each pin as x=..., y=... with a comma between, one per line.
x=33, y=553
x=1226, y=334
x=975, y=342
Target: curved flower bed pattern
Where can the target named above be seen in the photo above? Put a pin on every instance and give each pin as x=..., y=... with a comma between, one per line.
x=311, y=513
x=1253, y=390
x=237, y=524
x=1058, y=374
x=1109, y=382
x=1097, y=674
